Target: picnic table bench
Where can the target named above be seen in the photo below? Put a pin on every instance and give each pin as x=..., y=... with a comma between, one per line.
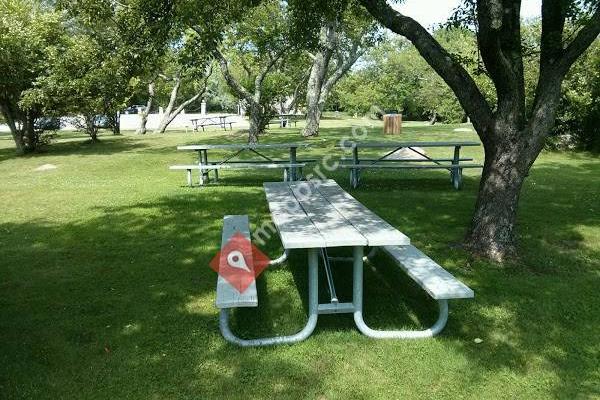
x=292, y=167
x=318, y=215
x=421, y=161
x=220, y=120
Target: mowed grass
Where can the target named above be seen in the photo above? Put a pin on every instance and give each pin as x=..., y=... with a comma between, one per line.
x=106, y=293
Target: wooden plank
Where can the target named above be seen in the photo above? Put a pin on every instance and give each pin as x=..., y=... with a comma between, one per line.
x=376, y=230
x=241, y=146
x=332, y=225
x=295, y=228
x=227, y=295
x=373, y=145
x=178, y=167
x=349, y=159
x=439, y=283
x=263, y=161
x=404, y=166
x=251, y=166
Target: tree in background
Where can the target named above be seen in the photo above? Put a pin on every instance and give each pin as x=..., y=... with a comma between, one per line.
x=186, y=72
x=31, y=35
x=512, y=133
x=256, y=47
x=109, y=45
x=579, y=110
x=343, y=39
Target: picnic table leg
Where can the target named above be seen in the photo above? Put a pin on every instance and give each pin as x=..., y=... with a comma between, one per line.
x=189, y=177
x=456, y=173
x=355, y=172
x=313, y=301
x=293, y=174
x=205, y=162
x=357, y=299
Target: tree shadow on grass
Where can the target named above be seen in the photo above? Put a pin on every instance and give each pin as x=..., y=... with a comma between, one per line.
x=122, y=305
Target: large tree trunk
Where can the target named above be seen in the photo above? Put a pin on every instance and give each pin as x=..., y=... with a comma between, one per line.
x=91, y=128
x=318, y=71
x=167, y=118
x=493, y=227
x=141, y=130
x=259, y=119
x=512, y=137
x=16, y=132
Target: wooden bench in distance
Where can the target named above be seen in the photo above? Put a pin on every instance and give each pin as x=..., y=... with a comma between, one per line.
x=227, y=295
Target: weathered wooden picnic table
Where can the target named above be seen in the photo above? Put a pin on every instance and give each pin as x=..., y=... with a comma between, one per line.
x=315, y=216
x=220, y=120
x=420, y=161
x=291, y=167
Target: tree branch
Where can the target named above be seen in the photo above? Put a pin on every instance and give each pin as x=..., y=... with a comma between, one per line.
x=582, y=41
x=499, y=37
x=459, y=80
x=237, y=88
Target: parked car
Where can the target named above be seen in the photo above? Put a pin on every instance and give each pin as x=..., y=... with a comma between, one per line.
x=47, y=124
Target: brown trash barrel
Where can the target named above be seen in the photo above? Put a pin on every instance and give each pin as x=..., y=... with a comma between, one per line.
x=392, y=124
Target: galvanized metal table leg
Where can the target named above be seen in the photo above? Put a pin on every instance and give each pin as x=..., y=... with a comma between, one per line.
x=313, y=300
x=279, y=260
x=204, y=155
x=293, y=158
x=357, y=298
x=371, y=254
x=456, y=173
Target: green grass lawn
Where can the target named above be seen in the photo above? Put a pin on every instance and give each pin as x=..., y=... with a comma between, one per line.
x=106, y=293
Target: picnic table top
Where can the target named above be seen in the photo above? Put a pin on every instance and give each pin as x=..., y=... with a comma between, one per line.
x=241, y=146
x=211, y=117
x=320, y=214
x=407, y=144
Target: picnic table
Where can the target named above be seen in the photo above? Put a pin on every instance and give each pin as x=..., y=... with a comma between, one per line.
x=420, y=161
x=315, y=216
x=285, y=119
x=220, y=120
x=292, y=167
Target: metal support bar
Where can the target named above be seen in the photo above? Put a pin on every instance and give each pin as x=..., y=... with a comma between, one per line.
x=329, y=275
x=313, y=301
x=337, y=308
x=357, y=297
x=230, y=157
x=371, y=254
x=279, y=260
x=293, y=175
x=343, y=259
x=259, y=154
x=387, y=154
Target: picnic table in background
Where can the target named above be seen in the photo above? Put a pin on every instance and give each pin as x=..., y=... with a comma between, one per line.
x=420, y=161
x=284, y=120
x=315, y=216
x=220, y=120
x=292, y=167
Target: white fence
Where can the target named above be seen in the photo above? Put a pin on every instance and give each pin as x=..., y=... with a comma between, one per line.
x=130, y=122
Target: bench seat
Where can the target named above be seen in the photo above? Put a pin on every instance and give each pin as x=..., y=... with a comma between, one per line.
x=227, y=295
x=435, y=280
x=350, y=159
x=404, y=166
x=250, y=165
x=304, y=160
